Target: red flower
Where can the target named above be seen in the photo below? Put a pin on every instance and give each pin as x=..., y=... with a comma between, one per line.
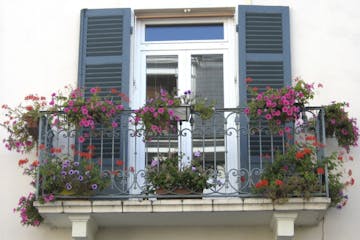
x=29, y=108
x=299, y=155
x=42, y=146
x=119, y=162
x=278, y=182
x=23, y=161
x=320, y=170
x=35, y=163
x=248, y=80
x=242, y=179
x=307, y=151
x=340, y=158
x=262, y=183
x=91, y=147
x=350, y=172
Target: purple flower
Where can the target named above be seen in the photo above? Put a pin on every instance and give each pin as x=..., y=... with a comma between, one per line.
x=94, y=186
x=197, y=154
x=154, y=163
x=71, y=172
x=76, y=164
x=63, y=173
x=81, y=178
x=68, y=186
x=193, y=168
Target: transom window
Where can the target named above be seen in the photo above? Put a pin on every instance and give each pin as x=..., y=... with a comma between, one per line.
x=183, y=32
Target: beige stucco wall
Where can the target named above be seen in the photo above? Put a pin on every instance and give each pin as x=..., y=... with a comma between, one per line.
x=39, y=51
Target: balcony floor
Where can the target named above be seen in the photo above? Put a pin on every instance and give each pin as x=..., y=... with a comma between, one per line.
x=185, y=212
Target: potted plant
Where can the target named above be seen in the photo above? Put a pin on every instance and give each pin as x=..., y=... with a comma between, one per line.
x=22, y=123
x=296, y=173
x=85, y=110
x=169, y=175
x=338, y=124
x=160, y=114
x=62, y=175
x=279, y=106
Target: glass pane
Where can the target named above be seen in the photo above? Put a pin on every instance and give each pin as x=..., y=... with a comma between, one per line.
x=211, y=31
x=161, y=73
x=207, y=81
x=207, y=77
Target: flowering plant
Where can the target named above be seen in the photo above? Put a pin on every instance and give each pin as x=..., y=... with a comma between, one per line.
x=198, y=105
x=279, y=106
x=22, y=123
x=61, y=175
x=297, y=173
x=170, y=174
x=158, y=114
x=86, y=109
x=339, y=124
x=28, y=212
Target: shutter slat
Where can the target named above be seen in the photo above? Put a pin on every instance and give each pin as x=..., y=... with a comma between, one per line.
x=105, y=62
x=264, y=55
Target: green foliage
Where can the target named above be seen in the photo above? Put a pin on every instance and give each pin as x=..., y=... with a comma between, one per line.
x=169, y=173
x=297, y=173
x=339, y=124
x=62, y=175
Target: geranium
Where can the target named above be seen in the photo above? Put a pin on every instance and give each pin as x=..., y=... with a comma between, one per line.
x=297, y=173
x=22, y=123
x=279, y=106
x=339, y=124
x=160, y=115
x=86, y=109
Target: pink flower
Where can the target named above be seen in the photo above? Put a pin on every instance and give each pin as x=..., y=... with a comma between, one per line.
x=93, y=90
x=161, y=110
x=259, y=112
x=155, y=114
x=114, y=124
x=268, y=116
x=120, y=107
x=171, y=112
x=81, y=139
x=154, y=128
x=247, y=111
x=170, y=102
x=287, y=129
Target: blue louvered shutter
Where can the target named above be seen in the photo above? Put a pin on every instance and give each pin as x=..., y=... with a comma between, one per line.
x=104, y=61
x=264, y=55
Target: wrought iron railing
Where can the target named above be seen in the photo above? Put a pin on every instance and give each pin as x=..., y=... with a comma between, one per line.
x=231, y=147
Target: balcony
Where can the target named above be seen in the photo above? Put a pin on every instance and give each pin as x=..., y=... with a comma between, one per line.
x=233, y=149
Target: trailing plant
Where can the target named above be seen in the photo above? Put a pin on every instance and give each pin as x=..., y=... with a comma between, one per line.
x=340, y=125
x=169, y=173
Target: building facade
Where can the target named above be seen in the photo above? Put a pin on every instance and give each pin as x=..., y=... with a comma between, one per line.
x=40, y=52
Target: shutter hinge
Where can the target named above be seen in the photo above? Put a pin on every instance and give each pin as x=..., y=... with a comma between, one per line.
x=237, y=27
x=131, y=30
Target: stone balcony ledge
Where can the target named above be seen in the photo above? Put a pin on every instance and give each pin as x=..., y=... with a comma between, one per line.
x=185, y=212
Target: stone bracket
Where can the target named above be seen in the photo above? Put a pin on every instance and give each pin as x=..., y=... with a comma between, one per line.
x=83, y=227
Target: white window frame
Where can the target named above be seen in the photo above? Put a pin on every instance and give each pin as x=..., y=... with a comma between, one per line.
x=226, y=47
